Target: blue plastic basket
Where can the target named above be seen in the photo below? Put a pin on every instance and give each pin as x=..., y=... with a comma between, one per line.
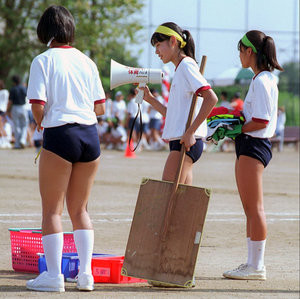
x=69, y=264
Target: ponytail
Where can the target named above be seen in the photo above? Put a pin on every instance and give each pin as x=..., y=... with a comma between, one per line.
x=265, y=50
x=185, y=35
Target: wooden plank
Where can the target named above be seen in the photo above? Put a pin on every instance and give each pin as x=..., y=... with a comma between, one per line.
x=172, y=260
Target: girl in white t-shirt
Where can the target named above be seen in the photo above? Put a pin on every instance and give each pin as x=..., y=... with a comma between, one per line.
x=253, y=148
x=66, y=95
x=175, y=45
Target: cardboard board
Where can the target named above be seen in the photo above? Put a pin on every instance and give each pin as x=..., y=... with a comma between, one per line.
x=169, y=259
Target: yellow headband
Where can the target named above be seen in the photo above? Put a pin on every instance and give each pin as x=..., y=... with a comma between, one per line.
x=169, y=32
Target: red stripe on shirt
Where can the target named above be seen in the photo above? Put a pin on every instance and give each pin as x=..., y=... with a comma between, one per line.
x=259, y=120
x=37, y=102
x=198, y=91
x=99, y=102
x=63, y=47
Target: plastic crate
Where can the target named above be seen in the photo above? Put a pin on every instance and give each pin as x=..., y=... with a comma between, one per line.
x=26, y=243
x=108, y=270
x=69, y=265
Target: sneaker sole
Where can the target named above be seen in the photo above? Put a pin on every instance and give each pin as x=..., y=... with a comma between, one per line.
x=253, y=277
x=87, y=289
x=61, y=290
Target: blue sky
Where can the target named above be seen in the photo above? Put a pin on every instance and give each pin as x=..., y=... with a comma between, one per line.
x=222, y=23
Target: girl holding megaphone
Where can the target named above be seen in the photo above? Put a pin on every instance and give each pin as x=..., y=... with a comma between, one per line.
x=172, y=44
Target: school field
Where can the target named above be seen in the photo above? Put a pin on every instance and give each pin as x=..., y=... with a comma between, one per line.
x=112, y=205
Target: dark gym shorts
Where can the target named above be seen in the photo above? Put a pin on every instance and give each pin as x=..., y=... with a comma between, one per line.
x=155, y=124
x=257, y=148
x=195, y=151
x=73, y=142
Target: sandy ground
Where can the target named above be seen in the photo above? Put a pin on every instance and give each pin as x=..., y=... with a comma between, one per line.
x=112, y=205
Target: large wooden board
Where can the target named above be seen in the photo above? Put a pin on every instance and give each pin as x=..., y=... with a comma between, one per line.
x=169, y=259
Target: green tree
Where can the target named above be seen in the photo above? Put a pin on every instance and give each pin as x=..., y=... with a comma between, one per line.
x=103, y=30
x=289, y=78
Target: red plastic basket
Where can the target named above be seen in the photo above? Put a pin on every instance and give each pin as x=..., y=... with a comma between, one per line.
x=26, y=243
x=108, y=270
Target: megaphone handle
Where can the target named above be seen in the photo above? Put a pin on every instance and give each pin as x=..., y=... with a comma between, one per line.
x=140, y=95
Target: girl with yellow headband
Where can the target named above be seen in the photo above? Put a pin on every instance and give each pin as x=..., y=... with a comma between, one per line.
x=172, y=44
x=253, y=148
x=175, y=45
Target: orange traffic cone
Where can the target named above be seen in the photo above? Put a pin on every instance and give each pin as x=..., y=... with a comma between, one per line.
x=128, y=153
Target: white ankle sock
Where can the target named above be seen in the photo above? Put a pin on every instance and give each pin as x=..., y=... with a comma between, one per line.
x=249, y=251
x=84, y=241
x=53, y=246
x=257, y=254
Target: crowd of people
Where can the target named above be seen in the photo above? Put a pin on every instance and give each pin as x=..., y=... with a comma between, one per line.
x=18, y=129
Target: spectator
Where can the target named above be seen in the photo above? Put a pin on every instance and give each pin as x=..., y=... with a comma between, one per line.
x=118, y=136
x=108, y=105
x=119, y=107
x=224, y=100
x=281, y=118
x=132, y=110
x=4, y=142
x=17, y=108
x=237, y=103
x=155, y=123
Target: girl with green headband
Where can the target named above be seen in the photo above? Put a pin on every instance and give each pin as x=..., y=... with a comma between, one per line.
x=253, y=147
x=172, y=44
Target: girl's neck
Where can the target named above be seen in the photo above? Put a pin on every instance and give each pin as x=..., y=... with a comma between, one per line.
x=177, y=58
x=55, y=44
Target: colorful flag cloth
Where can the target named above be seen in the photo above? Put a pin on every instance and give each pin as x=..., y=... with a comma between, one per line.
x=224, y=123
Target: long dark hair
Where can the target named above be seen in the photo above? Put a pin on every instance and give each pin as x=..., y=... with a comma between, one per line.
x=188, y=49
x=266, y=50
x=56, y=22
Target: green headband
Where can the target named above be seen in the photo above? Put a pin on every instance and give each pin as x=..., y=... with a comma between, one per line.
x=169, y=32
x=247, y=43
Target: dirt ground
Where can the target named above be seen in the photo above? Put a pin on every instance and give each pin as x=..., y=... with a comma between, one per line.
x=112, y=205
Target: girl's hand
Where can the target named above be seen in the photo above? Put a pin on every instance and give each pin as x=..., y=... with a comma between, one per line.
x=39, y=128
x=147, y=94
x=188, y=139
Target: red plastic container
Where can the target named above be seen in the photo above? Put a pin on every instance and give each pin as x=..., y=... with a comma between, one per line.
x=26, y=243
x=108, y=270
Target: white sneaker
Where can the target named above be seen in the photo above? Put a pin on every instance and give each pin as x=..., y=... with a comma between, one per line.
x=46, y=283
x=246, y=272
x=85, y=282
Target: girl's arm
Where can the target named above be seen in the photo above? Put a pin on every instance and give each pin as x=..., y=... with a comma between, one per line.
x=99, y=109
x=209, y=101
x=38, y=114
x=148, y=97
x=253, y=126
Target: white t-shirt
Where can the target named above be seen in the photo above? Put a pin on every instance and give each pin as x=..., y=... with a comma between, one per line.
x=186, y=81
x=118, y=132
x=132, y=107
x=119, y=109
x=154, y=114
x=4, y=94
x=261, y=103
x=145, y=114
x=68, y=81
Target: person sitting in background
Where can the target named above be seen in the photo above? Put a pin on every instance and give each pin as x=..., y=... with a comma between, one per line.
x=237, y=103
x=118, y=136
x=102, y=127
x=281, y=119
x=224, y=100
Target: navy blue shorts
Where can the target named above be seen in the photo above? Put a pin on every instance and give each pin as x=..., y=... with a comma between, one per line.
x=195, y=151
x=136, y=124
x=155, y=124
x=257, y=148
x=73, y=142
